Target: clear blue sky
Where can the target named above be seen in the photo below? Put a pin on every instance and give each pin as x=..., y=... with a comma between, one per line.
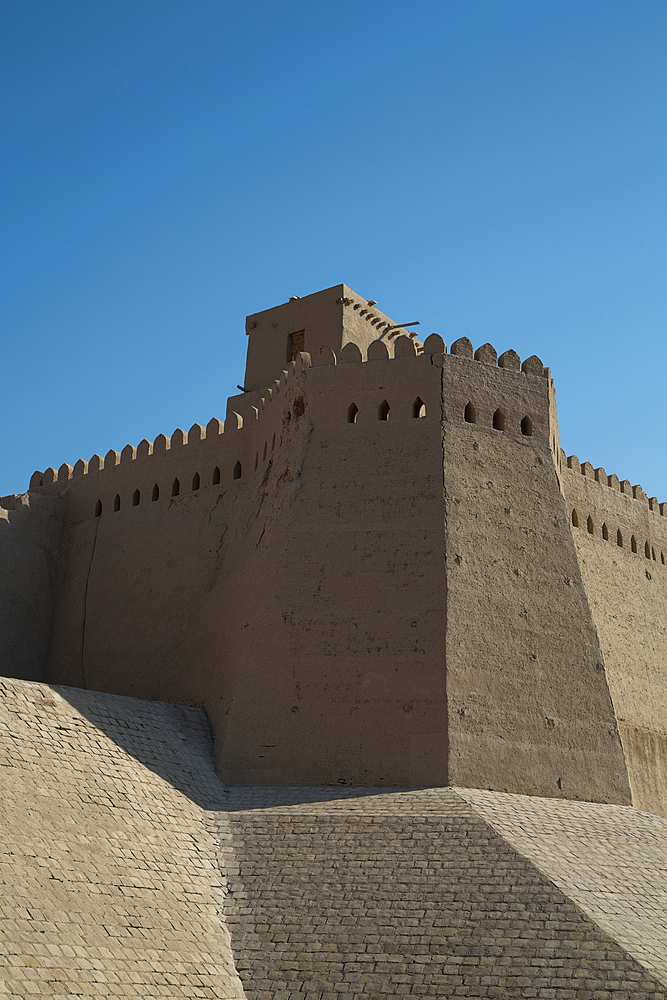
x=494, y=169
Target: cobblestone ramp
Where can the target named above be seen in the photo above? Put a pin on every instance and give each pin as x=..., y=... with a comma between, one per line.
x=109, y=876
x=611, y=860
x=403, y=893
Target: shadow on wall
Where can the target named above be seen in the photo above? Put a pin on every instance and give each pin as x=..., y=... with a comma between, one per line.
x=175, y=742
x=248, y=798
x=172, y=741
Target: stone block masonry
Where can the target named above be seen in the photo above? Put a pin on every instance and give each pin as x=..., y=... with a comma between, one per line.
x=408, y=893
x=611, y=860
x=109, y=882
x=127, y=869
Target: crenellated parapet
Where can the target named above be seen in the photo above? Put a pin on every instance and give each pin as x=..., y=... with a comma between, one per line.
x=171, y=466
x=613, y=510
x=221, y=453
x=478, y=386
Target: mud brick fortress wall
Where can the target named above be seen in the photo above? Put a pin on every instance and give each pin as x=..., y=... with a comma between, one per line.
x=380, y=569
x=431, y=650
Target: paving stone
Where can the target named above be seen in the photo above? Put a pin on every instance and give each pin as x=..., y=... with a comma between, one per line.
x=111, y=885
x=125, y=864
x=437, y=886
x=611, y=860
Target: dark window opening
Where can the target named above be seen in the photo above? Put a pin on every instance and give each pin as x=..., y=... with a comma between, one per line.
x=196, y=481
x=633, y=543
x=215, y=478
x=619, y=539
x=156, y=492
x=352, y=412
x=605, y=533
x=575, y=519
x=419, y=408
x=136, y=497
x=237, y=471
x=647, y=550
x=499, y=420
x=175, y=488
x=116, y=502
x=98, y=509
x=297, y=343
x=527, y=427
x=589, y=525
x=469, y=414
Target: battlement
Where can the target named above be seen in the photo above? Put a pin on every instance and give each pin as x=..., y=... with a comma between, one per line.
x=614, y=511
x=613, y=482
x=220, y=453
x=171, y=466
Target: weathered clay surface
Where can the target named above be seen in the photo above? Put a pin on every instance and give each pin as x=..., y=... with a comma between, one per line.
x=627, y=592
x=367, y=574
x=31, y=535
x=529, y=706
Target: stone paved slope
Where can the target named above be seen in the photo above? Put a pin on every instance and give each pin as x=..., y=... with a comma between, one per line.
x=611, y=860
x=403, y=893
x=109, y=877
x=114, y=824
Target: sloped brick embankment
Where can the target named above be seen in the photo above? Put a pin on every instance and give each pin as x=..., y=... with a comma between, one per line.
x=125, y=866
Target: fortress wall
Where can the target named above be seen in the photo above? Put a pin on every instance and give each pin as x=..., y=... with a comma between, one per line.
x=343, y=668
x=528, y=702
x=627, y=592
x=328, y=548
x=130, y=584
x=30, y=538
x=332, y=579
x=305, y=603
x=109, y=875
x=615, y=506
x=269, y=594
x=133, y=577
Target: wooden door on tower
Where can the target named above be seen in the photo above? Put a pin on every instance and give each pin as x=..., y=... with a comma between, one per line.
x=296, y=344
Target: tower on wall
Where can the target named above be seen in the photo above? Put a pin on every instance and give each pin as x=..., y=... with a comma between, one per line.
x=367, y=574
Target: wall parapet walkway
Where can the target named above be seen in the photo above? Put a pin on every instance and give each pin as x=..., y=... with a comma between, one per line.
x=404, y=347
x=614, y=510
